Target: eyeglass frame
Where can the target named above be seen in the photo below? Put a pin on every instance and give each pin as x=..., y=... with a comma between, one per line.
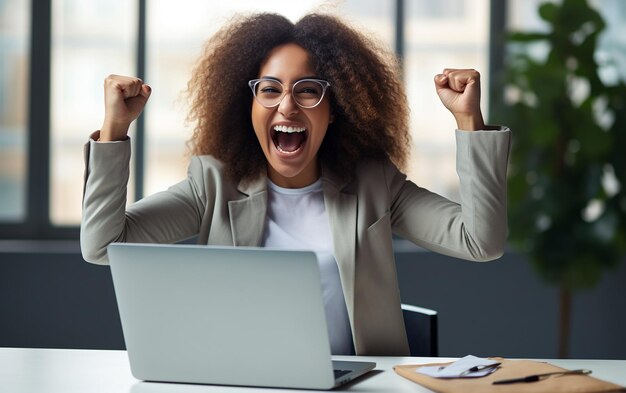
x=254, y=82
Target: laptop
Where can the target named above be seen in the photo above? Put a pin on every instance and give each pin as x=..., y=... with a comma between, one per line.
x=226, y=316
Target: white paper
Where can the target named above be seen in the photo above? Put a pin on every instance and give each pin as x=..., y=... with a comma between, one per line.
x=468, y=367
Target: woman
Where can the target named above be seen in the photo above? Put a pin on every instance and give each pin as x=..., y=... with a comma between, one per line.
x=299, y=133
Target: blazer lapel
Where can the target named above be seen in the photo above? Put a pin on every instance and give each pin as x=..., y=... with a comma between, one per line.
x=247, y=216
x=342, y=213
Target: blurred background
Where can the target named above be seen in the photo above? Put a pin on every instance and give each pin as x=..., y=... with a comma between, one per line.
x=55, y=54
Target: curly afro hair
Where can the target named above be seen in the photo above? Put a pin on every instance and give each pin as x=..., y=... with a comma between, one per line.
x=368, y=100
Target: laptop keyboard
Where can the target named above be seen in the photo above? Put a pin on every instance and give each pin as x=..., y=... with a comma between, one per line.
x=341, y=373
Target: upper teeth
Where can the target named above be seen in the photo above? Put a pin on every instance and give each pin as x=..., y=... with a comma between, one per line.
x=289, y=129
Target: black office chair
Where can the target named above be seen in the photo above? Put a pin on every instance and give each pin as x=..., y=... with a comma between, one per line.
x=421, y=330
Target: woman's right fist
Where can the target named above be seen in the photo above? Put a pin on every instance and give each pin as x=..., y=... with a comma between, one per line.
x=124, y=100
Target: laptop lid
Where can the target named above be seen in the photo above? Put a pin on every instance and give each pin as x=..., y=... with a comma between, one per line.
x=223, y=315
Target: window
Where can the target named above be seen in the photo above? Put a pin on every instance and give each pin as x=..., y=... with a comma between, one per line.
x=447, y=33
x=441, y=34
x=90, y=39
x=14, y=65
x=41, y=174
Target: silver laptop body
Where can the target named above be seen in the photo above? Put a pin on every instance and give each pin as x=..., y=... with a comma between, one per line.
x=225, y=315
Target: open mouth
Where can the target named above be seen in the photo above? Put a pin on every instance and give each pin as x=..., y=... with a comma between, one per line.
x=288, y=139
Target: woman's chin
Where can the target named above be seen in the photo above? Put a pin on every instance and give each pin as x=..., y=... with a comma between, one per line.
x=293, y=173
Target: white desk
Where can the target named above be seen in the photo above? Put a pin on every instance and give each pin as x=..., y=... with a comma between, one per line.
x=89, y=371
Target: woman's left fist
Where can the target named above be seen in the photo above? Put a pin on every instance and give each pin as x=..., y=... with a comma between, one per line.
x=459, y=91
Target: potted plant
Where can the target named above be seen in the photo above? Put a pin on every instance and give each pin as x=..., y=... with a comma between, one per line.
x=567, y=175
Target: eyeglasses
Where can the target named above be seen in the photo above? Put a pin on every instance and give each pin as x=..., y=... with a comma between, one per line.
x=307, y=93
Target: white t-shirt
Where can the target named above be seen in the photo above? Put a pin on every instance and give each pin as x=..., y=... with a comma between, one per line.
x=297, y=219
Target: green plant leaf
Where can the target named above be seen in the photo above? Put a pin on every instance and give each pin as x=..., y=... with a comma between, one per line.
x=548, y=12
x=527, y=37
x=559, y=150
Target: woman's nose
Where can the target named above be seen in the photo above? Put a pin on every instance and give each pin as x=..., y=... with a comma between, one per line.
x=288, y=106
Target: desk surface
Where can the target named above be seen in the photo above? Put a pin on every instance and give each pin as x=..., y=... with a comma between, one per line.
x=69, y=371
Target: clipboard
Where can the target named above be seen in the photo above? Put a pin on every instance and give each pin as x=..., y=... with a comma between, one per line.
x=510, y=369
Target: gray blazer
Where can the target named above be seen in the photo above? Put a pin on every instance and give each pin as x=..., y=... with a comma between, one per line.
x=364, y=211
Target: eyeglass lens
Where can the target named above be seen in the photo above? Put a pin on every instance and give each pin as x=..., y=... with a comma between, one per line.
x=306, y=93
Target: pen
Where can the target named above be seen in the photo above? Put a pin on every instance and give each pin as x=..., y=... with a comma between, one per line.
x=475, y=368
x=479, y=368
x=538, y=377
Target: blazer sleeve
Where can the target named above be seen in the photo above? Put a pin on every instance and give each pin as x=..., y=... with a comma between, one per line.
x=164, y=217
x=475, y=228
